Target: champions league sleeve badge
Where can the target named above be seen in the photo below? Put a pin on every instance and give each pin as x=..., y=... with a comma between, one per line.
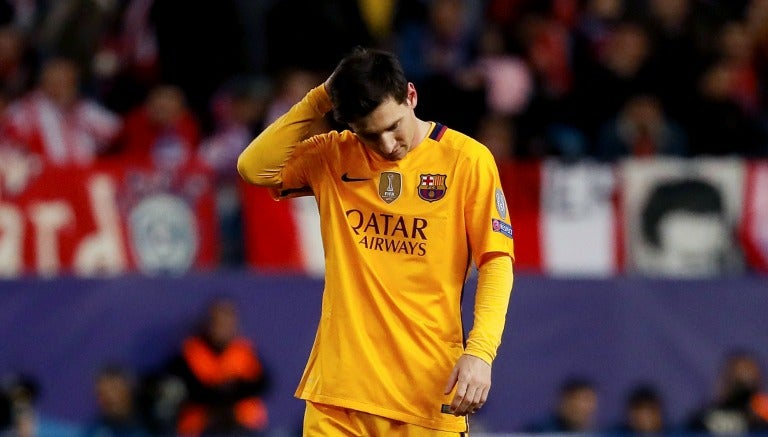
x=432, y=187
x=501, y=203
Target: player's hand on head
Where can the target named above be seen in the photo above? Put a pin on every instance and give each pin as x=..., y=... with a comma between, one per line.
x=329, y=80
x=327, y=83
x=472, y=378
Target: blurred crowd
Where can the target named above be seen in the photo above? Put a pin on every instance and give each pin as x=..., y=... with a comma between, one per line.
x=81, y=80
x=140, y=81
x=211, y=385
x=738, y=407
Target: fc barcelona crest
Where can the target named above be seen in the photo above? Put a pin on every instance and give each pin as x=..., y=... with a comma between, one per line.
x=432, y=187
x=390, y=186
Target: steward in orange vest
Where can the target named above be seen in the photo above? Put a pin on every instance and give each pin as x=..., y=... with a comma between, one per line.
x=223, y=376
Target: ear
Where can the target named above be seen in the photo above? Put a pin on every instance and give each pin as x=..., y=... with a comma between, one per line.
x=411, y=96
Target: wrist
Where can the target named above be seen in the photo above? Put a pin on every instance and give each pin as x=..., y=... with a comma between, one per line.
x=320, y=100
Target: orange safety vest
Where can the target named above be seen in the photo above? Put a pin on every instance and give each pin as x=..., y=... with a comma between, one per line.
x=237, y=361
x=759, y=405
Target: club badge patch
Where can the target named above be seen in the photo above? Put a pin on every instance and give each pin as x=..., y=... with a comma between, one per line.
x=501, y=227
x=432, y=187
x=501, y=203
x=390, y=186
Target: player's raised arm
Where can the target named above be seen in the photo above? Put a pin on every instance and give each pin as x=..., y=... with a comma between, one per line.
x=261, y=162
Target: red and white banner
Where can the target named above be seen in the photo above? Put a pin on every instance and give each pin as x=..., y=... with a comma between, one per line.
x=754, y=229
x=282, y=235
x=103, y=220
x=658, y=217
x=682, y=216
x=563, y=217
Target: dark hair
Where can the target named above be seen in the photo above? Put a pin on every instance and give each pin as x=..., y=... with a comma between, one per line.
x=363, y=80
x=575, y=384
x=114, y=370
x=643, y=395
x=691, y=195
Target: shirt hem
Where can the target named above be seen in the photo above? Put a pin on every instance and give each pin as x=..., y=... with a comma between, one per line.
x=383, y=412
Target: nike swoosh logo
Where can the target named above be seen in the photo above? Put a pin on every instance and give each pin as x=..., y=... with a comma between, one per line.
x=345, y=177
x=302, y=191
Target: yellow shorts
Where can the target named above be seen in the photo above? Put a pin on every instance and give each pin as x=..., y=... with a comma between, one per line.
x=321, y=420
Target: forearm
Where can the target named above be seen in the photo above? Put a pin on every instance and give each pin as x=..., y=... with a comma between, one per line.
x=261, y=162
x=494, y=287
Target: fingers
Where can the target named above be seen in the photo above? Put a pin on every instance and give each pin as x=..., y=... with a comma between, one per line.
x=469, y=398
x=466, y=405
x=472, y=379
x=451, y=381
x=480, y=398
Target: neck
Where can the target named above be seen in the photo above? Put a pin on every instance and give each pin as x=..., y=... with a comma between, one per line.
x=422, y=130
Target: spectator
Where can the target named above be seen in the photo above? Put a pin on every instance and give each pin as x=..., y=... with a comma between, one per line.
x=641, y=129
x=643, y=413
x=718, y=125
x=550, y=125
x=19, y=414
x=733, y=411
x=679, y=34
x=622, y=72
x=575, y=410
x=126, y=65
x=57, y=122
x=201, y=51
x=6, y=12
x=497, y=133
x=597, y=23
x=75, y=29
x=223, y=377
x=292, y=85
x=239, y=110
x=162, y=132
x=507, y=78
x=116, y=413
x=329, y=29
x=436, y=55
x=737, y=49
x=15, y=74
x=756, y=18
x=5, y=413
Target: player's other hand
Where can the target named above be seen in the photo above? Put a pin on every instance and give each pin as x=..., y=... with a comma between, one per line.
x=472, y=378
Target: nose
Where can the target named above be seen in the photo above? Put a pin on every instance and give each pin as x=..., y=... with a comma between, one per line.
x=387, y=143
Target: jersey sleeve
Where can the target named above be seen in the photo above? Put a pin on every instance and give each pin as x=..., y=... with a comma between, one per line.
x=491, y=241
x=296, y=174
x=486, y=214
x=265, y=162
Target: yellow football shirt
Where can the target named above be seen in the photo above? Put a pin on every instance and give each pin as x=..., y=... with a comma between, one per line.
x=399, y=238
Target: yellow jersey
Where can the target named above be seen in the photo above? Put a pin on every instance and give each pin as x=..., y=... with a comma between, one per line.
x=399, y=239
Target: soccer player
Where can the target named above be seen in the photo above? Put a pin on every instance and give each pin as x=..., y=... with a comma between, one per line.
x=406, y=206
